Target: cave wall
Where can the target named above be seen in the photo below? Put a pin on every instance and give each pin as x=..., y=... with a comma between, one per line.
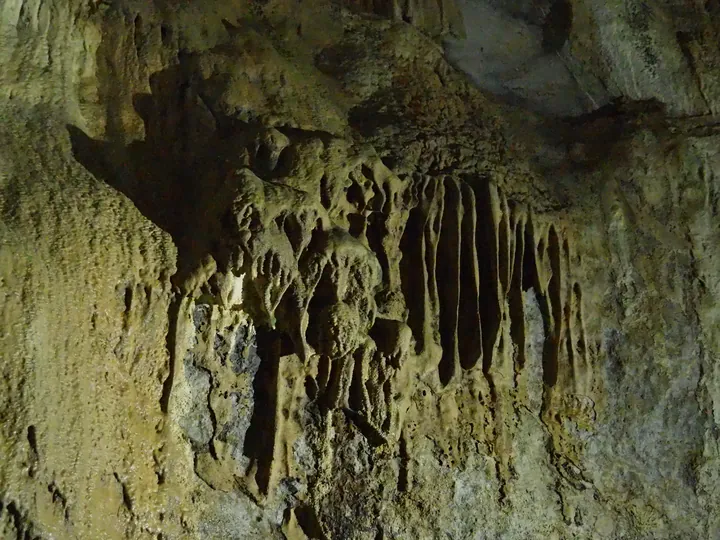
x=568, y=57
x=282, y=270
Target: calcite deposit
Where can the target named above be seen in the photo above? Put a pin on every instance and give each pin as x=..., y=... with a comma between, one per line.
x=359, y=269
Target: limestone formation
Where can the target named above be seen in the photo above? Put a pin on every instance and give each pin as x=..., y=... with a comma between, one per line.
x=359, y=269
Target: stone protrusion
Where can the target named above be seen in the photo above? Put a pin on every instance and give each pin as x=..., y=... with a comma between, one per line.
x=367, y=283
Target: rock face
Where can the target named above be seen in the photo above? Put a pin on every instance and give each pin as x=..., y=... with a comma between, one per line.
x=566, y=57
x=282, y=270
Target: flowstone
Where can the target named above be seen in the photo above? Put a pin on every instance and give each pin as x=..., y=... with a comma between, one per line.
x=282, y=270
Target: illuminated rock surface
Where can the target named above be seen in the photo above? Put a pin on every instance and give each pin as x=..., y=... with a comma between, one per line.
x=371, y=269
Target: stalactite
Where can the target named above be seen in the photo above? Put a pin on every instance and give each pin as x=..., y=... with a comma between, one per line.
x=388, y=280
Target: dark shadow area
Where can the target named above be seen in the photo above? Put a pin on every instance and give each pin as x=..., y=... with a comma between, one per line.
x=171, y=340
x=260, y=436
x=489, y=274
x=557, y=26
x=515, y=296
x=606, y=130
x=378, y=111
x=370, y=432
x=412, y=274
x=469, y=322
x=175, y=176
x=309, y=522
x=448, y=280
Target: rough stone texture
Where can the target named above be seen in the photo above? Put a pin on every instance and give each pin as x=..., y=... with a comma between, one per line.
x=280, y=270
x=566, y=57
